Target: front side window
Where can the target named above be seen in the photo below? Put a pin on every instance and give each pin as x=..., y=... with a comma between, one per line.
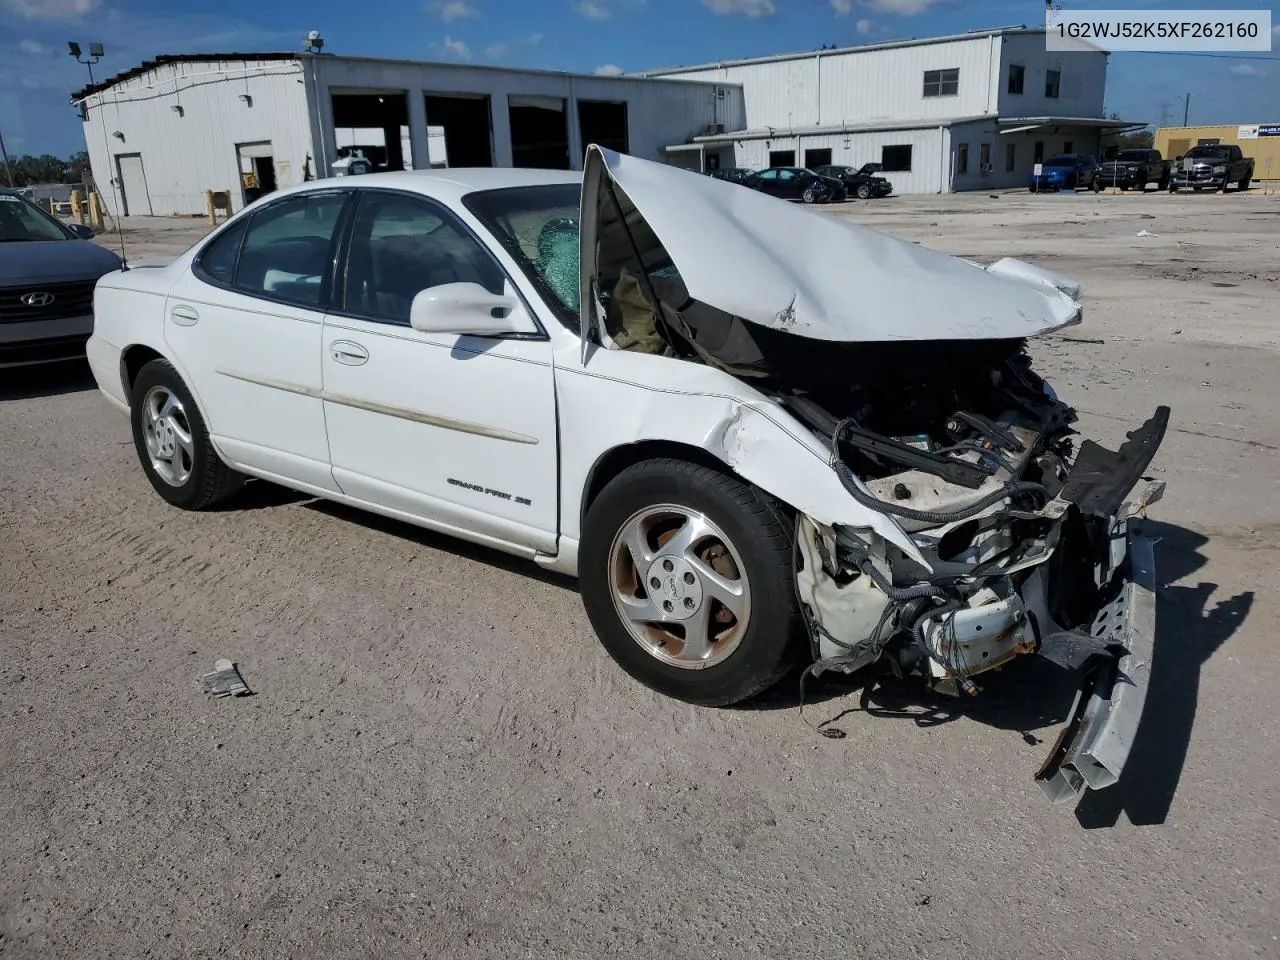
x=402, y=245
x=1052, y=83
x=538, y=227
x=287, y=249
x=941, y=83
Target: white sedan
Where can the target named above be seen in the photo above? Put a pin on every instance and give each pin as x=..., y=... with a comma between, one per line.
x=755, y=434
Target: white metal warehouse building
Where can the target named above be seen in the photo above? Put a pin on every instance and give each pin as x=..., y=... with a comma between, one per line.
x=965, y=112
x=161, y=134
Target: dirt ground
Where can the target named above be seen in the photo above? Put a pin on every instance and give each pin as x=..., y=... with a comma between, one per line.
x=440, y=760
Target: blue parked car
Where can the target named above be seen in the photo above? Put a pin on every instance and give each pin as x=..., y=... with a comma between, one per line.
x=1074, y=171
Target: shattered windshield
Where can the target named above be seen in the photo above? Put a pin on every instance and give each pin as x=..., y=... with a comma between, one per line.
x=539, y=227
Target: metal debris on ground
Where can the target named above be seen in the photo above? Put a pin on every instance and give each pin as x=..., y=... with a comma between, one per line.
x=225, y=681
x=1146, y=233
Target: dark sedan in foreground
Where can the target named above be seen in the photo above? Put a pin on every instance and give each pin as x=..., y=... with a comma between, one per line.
x=47, y=274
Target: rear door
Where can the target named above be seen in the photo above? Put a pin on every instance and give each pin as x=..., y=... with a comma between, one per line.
x=245, y=326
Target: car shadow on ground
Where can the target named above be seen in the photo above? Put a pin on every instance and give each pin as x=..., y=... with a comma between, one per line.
x=46, y=380
x=444, y=543
x=1032, y=694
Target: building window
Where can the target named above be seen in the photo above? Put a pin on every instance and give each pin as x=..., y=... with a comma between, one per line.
x=896, y=159
x=782, y=158
x=1039, y=152
x=1017, y=76
x=817, y=158
x=1052, y=83
x=962, y=158
x=984, y=157
x=941, y=83
x=1010, y=157
x=1068, y=146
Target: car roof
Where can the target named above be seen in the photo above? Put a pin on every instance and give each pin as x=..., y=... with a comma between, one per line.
x=448, y=184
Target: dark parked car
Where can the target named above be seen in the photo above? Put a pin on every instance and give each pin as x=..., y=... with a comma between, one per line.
x=1136, y=168
x=732, y=174
x=796, y=183
x=860, y=182
x=1066, y=171
x=47, y=275
x=1212, y=166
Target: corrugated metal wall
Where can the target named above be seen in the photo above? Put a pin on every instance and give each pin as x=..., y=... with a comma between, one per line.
x=1081, y=90
x=862, y=86
x=1173, y=141
x=928, y=153
x=182, y=155
x=659, y=112
x=1053, y=140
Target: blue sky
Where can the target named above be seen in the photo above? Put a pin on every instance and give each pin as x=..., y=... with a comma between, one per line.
x=36, y=73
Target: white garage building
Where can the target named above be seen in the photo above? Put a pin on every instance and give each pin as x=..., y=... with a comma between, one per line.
x=965, y=112
x=161, y=134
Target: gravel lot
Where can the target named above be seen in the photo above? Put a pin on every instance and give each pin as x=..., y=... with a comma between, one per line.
x=441, y=761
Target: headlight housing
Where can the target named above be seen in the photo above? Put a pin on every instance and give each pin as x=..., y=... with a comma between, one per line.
x=1220, y=168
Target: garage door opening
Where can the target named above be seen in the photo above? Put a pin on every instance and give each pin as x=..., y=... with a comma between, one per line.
x=374, y=125
x=604, y=123
x=257, y=170
x=465, y=137
x=539, y=133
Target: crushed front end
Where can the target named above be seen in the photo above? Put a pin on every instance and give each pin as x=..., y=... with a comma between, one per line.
x=1031, y=546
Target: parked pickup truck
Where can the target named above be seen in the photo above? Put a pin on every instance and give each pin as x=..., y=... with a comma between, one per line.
x=1212, y=166
x=1136, y=168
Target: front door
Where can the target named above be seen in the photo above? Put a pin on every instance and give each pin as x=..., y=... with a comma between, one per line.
x=245, y=327
x=134, y=196
x=460, y=431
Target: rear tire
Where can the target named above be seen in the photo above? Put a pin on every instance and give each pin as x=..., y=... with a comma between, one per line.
x=640, y=531
x=173, y=444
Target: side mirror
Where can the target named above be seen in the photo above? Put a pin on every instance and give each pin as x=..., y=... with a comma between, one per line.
x=82, y=231
x=466, y=310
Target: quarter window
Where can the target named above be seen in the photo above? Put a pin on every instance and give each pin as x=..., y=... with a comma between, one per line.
x=218, y=261
x=941, y=83
x=288, y=247
x=400, y=246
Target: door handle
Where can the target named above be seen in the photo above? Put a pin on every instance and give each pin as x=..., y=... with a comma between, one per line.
x=184, y=316
x=352, y=354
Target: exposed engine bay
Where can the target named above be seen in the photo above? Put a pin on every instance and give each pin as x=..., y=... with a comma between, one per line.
x=1026, y=543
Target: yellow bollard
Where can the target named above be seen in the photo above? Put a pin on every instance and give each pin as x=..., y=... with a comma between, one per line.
x=53, y=206
x=95, y=211
x=209, y=210
x=77, y=212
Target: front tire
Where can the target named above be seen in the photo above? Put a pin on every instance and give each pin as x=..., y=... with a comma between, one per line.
x=1244, y=184
x=864, y=191
x=686, y=575
x=172, y=442
x=809, y=196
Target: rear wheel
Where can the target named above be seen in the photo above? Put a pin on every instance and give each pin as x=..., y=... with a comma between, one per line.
x=686, y=575
x=173, y=444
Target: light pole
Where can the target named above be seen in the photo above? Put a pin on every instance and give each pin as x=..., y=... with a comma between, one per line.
x=95, y=54
x=7, y=165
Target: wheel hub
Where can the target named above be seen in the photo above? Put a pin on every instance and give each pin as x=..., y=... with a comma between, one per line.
x=673, y=584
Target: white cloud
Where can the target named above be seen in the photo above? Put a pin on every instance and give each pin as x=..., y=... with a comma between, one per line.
x=592, y=9
x=33, y=47
x=30, y=84
x=450, y=10
x=459, y=48
x=864, y=26
x=49, y=9
x=842, y=7
x=746, y=8
x=1246, y=70
x=496, y=51
x=608, y=70
x=905, y=8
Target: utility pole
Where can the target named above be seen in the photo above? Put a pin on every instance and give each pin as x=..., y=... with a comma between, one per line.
x=7, y=165
x=1186, y=109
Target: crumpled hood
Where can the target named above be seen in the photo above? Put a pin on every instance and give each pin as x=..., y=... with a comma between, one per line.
x=54, y=261
x=790, y=269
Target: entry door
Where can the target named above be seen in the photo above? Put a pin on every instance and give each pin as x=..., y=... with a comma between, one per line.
x=135, y=199
x=457, y=430
x=245, y=326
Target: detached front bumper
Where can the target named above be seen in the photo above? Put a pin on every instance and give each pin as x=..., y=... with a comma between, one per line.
x=1093, y=747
